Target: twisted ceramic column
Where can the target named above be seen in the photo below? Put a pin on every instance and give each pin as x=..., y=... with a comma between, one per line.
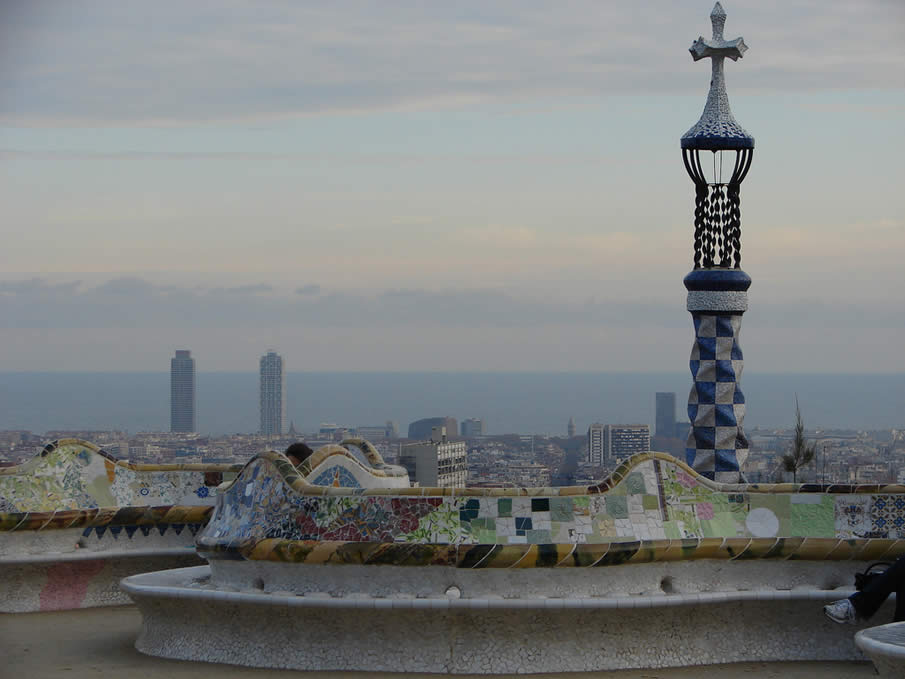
x=717, y=446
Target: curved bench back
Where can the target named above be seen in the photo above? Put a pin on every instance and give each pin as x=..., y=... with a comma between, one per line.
x=333, y=465
x=72, y=474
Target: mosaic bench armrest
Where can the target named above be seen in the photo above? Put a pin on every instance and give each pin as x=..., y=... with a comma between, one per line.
x=71, y=474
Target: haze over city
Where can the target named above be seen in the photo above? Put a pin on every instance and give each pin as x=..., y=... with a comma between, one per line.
x=429, y=187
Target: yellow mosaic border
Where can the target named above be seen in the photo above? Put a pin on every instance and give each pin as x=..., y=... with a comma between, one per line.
x=566, y=555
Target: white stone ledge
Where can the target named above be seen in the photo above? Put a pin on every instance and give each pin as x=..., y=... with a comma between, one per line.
x=885, y=646
x=164, y=584
x=88, y=555
x=483, y=635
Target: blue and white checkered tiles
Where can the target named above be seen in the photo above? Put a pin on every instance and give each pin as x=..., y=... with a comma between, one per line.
x=717, y=446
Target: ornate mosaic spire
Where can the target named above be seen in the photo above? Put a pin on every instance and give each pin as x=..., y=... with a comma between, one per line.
x=717, y=288
x=717, y=129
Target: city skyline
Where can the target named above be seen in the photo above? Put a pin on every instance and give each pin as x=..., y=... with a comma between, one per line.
x=492, y=203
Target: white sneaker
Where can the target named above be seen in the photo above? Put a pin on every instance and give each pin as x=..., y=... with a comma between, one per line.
x=841, y=611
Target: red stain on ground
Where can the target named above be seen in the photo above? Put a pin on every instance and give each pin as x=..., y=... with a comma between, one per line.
x=67, y=584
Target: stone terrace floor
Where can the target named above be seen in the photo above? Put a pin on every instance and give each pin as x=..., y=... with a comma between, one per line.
x=98, y=642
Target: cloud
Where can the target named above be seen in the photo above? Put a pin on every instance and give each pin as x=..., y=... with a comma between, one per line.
x=127, y=286
x=310, y=289
x=37, y=286
x=129, y=62
x=244, y=289
x=138, y=303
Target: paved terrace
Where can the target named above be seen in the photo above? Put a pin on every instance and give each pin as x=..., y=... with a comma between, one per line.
x=99, y=642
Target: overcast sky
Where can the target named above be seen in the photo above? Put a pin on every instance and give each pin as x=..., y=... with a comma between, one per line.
x=438, y=186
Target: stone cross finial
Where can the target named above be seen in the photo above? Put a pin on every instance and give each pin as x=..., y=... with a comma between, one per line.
x=716, y=47
x=717, y=128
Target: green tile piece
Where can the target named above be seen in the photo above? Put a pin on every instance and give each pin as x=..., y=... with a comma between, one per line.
x=561, y=509
x=724, y=525
x=539, y=537
x=486, y=537
x=582, y=501
x=650, y=502
x=814, y=520
x=504, y=507
x=635, y=484
x=671, y=528
x=778, y=504
x=617, y=506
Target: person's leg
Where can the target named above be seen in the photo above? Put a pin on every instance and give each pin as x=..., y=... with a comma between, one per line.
x=869, y=600
x=900, y=601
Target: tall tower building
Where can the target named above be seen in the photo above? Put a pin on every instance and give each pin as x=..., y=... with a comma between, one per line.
x=182, y=392
x=666, y=414
x=595, y=444
x=273, y=394
x=570, y=429
x=717, y=153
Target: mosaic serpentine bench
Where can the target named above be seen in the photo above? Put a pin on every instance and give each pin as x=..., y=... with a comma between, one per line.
x=74, y=520
x=655, y=566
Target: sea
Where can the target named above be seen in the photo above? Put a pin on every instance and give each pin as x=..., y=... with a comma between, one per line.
x=512, y=402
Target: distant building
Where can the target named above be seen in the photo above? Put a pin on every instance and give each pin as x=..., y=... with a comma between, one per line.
x=666, y=414
x=472, y=427
x=273, y=394
x=182, y=392
x=377, y=432
x=330, y=431
x=421, y=429
x=624, y=440
x=436, y=463
x=570, y=430
x=595, y=444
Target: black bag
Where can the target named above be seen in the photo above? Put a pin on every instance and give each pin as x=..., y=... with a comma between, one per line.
x=862, y=580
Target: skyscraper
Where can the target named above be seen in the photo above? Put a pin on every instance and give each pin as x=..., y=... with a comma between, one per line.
x=666, y=414
x=273, y=394
x=182, y=392
x=472, y=427
x=624, y=440
x=570, y=429
x=595, y=444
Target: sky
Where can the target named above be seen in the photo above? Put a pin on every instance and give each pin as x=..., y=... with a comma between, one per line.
x=438, y=186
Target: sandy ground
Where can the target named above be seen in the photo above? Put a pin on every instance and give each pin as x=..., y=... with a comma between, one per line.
x=98, y=642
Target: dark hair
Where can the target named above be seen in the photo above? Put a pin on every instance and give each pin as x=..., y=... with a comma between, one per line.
x=300, y=451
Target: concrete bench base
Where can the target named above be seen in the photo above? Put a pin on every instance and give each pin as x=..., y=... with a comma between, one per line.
x=185, y=617
x=885, y=646
x=63, y=582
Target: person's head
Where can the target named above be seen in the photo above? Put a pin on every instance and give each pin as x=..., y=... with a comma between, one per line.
x=298, y=453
